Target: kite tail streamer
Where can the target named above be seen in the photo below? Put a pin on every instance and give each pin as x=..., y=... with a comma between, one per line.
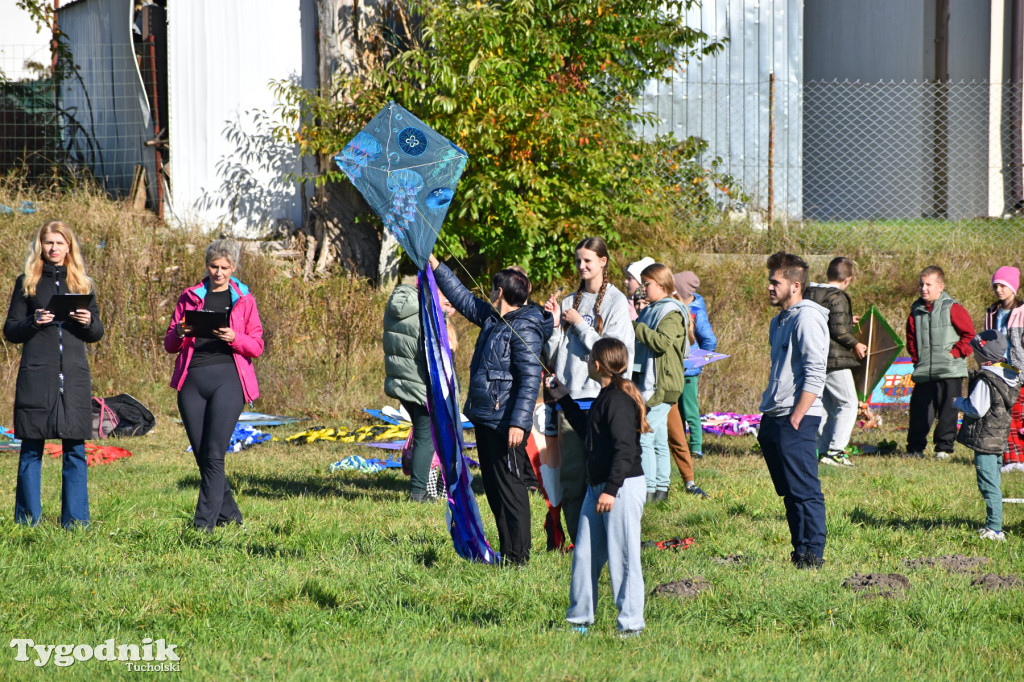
x=463, y=515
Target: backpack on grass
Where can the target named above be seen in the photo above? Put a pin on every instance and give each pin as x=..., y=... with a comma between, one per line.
x=120, y=415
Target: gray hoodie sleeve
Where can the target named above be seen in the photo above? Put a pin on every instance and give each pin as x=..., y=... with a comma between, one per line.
x=975, y=405
x=811, y=339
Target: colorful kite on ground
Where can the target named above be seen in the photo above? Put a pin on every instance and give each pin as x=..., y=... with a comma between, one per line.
x=408, y=174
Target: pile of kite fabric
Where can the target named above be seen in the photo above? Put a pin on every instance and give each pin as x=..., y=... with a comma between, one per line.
x=408, y=174
x=730, y=424
x=94, y=454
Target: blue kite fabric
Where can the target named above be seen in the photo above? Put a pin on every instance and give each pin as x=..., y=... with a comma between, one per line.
x=366, y=466
x=408, y=174
x=446, y=427
x=243, y=438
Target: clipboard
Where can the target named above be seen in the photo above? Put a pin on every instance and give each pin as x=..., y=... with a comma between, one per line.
x=203, y=322
x=62, y=305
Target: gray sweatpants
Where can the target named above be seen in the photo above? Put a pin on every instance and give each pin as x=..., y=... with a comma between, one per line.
x=612, y=538
x=840, y=402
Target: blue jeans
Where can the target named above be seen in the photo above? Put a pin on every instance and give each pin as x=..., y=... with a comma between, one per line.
x=74, y=495
x=793, y=465
x=654, y=453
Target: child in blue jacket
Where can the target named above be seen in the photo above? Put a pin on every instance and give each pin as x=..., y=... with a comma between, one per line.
x=687, y=283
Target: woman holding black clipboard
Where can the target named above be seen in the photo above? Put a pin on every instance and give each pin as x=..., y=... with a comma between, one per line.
x=53, y=396
x=213, y=373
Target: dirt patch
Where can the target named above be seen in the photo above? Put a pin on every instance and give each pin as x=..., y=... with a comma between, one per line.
x=954, y=563
x=732, y=560
x=878, y=585
x=684, y=589
x=992, y=582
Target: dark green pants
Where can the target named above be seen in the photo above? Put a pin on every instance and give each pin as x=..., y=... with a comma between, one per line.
x=422, y=447
x=690, y=412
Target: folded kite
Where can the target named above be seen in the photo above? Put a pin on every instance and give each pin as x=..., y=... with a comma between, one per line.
x=730, y=424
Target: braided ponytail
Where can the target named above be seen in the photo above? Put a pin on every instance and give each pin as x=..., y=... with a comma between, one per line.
x=598, y=320
x=575, y=305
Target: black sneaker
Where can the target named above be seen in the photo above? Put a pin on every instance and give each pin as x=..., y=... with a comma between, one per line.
x=807, y=561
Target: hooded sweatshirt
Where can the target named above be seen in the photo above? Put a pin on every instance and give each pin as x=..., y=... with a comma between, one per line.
x=567, y=350
x=799, y=351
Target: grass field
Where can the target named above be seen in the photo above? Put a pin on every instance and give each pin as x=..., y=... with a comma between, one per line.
x=337, y=577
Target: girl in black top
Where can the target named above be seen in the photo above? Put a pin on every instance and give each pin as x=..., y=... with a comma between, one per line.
x=609, y=529
x=53, y=397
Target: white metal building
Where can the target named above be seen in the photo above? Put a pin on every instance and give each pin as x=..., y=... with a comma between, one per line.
x=220, y=159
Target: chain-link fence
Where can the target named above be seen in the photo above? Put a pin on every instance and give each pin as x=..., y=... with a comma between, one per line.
x=896, y=165
x=96, y=119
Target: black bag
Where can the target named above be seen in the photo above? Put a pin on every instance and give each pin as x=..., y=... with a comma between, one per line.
x=132, y=418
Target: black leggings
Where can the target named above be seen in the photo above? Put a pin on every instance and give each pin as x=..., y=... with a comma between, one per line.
x=209, y=402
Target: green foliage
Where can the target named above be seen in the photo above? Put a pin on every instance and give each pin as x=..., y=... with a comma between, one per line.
x=542, y=94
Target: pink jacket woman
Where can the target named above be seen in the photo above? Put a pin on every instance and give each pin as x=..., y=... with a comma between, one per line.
x=244, y=320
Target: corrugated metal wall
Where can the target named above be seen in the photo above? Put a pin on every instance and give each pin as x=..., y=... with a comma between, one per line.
x=106, y=102
x=879, y=128
x=226, y=167
x=724, y=99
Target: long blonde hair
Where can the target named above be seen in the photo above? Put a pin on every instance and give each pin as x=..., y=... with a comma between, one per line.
x=77, y=281
x=613, y=357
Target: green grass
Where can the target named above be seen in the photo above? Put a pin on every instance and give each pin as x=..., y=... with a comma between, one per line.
x=338, y=577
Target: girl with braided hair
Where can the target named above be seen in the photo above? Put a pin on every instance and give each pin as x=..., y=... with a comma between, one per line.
x=596, y=310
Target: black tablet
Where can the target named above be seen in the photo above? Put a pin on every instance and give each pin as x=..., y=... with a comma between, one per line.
x=62, y=305
x=203, y=322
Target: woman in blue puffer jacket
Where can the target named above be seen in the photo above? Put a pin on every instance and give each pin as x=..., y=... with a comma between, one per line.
x=503, y=385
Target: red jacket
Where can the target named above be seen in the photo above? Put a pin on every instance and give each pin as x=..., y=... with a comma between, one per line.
x=962, y=323
x=244, y=320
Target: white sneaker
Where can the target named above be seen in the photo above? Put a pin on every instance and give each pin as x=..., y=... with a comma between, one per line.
x=831, y=460
x=989, y=534
x=943, y=455
x=845, y=461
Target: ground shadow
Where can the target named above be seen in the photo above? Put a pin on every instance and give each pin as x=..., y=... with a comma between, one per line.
x=858, y=515
x=278, y=487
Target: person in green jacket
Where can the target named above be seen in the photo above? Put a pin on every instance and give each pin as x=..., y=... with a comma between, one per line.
x=405, y=379
x=662, y=344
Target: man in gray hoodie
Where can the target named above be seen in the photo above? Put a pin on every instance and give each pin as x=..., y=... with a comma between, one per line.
x=791, y=405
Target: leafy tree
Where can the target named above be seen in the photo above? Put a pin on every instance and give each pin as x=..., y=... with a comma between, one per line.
x=542, y=94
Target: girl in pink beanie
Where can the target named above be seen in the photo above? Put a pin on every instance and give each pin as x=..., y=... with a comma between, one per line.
x=1007, y=315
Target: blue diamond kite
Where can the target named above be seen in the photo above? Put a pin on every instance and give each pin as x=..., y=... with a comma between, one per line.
x=408, y=174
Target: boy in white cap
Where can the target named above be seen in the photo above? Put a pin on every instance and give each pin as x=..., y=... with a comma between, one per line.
x=632, y=284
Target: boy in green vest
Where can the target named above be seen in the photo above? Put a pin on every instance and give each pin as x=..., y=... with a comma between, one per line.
x=939, y=333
